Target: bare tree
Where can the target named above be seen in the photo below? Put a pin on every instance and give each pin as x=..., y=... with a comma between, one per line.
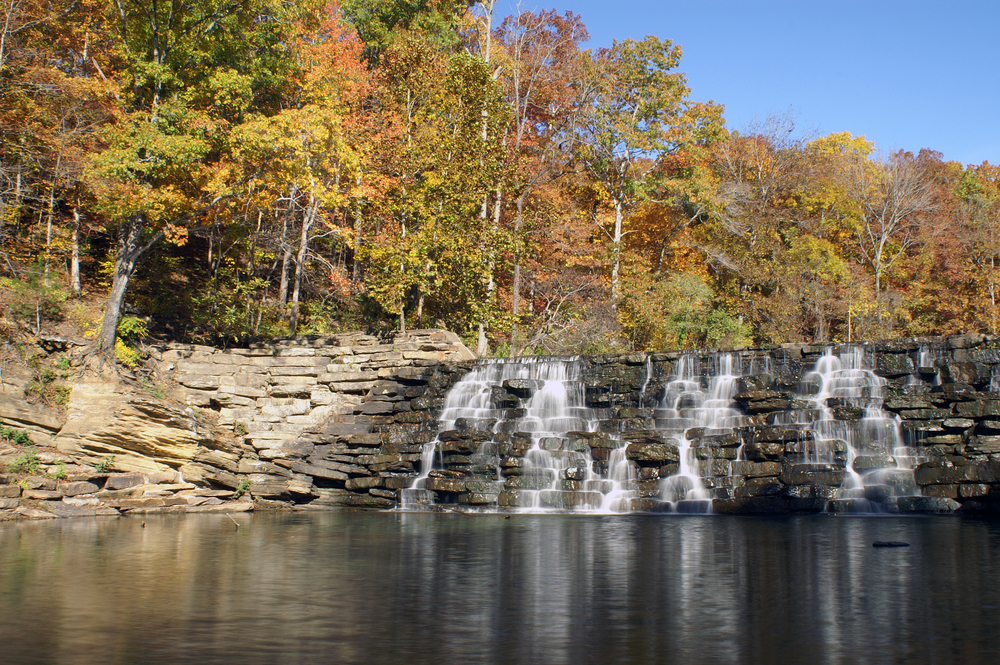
x=891, y=194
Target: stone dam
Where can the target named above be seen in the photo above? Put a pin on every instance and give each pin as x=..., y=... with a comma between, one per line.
x=415, y=423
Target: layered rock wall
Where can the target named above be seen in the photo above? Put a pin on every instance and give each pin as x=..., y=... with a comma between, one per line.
x=939, y=396
x=338, y=420
x=343, y=420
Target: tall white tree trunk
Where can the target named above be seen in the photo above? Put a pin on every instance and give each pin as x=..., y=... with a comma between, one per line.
x=74, y=261
x=300, y=260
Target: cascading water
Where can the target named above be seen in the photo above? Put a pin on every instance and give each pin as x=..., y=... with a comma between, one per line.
x=700, y=403
x=467, y=404
x=674, y=435
x=851, y=431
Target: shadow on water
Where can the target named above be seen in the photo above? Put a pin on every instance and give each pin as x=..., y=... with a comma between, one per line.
x=426, y=588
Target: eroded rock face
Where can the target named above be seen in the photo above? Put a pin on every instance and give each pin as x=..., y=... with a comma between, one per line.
x=144, y=435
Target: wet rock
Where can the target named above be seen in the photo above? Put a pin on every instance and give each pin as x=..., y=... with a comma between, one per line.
x=973, y=491
x=921, y=504
x=445, y=485
x=942, y=491
x=955, y=392
x=522, y=388
x=758, y=505
x=759, y=451
x=960, y=373
x=763, y=401
x=529, y=482
x=893, y=365
x=981, y=408
x=982, y=444
x=754, y=383
x=864, y=463
x=907, y=402
x=937, y=473
x=652, y=452
x=851, y=413
x=925, y=414
x=756, y=489
x=813, y=474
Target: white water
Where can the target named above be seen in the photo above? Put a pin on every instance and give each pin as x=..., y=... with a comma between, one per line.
x=843, y=381
x=838, y=407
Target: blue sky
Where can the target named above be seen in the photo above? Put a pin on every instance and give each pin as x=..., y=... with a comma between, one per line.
x=906, y=74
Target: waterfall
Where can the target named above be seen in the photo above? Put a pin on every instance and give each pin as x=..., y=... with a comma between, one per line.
x=685, y=433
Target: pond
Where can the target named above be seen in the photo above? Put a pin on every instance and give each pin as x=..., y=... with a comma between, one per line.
x=342, y=587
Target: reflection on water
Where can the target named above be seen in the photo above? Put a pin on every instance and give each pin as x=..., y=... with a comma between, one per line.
x=422, y=588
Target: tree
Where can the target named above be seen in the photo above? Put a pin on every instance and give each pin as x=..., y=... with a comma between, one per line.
x=979, y=234
x=636, y=113
x=189, y=72
x=542, y=66
x=312, y=151
x=891, y=194
x=429, y=248
x=379, y=22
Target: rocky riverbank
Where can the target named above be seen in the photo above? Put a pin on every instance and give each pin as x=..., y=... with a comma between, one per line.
x=317, y=421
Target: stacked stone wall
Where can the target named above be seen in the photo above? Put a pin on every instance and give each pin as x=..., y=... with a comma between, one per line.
x=337, y=420
x=943, y=391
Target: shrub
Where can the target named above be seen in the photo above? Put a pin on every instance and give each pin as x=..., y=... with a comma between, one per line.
x=26, y=462
x=105, y=464
x=18, y=437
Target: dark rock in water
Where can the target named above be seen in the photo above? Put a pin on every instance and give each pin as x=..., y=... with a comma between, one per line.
x=921, y=504
x=522, y=388
x=754, y=382
x=848, y=413
x=813, y=474
x=889, y=543
x=891, y=365
x=502, y=399
x=758, y=505
x=763, y=452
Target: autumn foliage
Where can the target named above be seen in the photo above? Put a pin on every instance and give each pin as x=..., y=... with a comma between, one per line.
x=233, y=171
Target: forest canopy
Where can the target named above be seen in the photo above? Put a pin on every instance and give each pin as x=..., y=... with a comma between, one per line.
x=223, y=171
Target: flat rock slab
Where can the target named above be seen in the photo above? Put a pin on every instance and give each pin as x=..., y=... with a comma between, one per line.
x=236, y=507
x=78, y=488
x=63, y=509
x=31, y=513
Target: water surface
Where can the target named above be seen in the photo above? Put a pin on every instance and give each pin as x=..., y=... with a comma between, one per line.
x=425, y=588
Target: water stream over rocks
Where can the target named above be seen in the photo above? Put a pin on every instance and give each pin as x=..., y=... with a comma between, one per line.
x=729, y=432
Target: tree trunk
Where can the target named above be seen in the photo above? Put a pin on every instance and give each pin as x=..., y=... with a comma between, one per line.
x=48, y=230
x=74, y=262
x=356, y=268
x=287, y=253
x=300, y=262
x=283, y=286
x=515, y=307
x=129, y=251
x=617, y=252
